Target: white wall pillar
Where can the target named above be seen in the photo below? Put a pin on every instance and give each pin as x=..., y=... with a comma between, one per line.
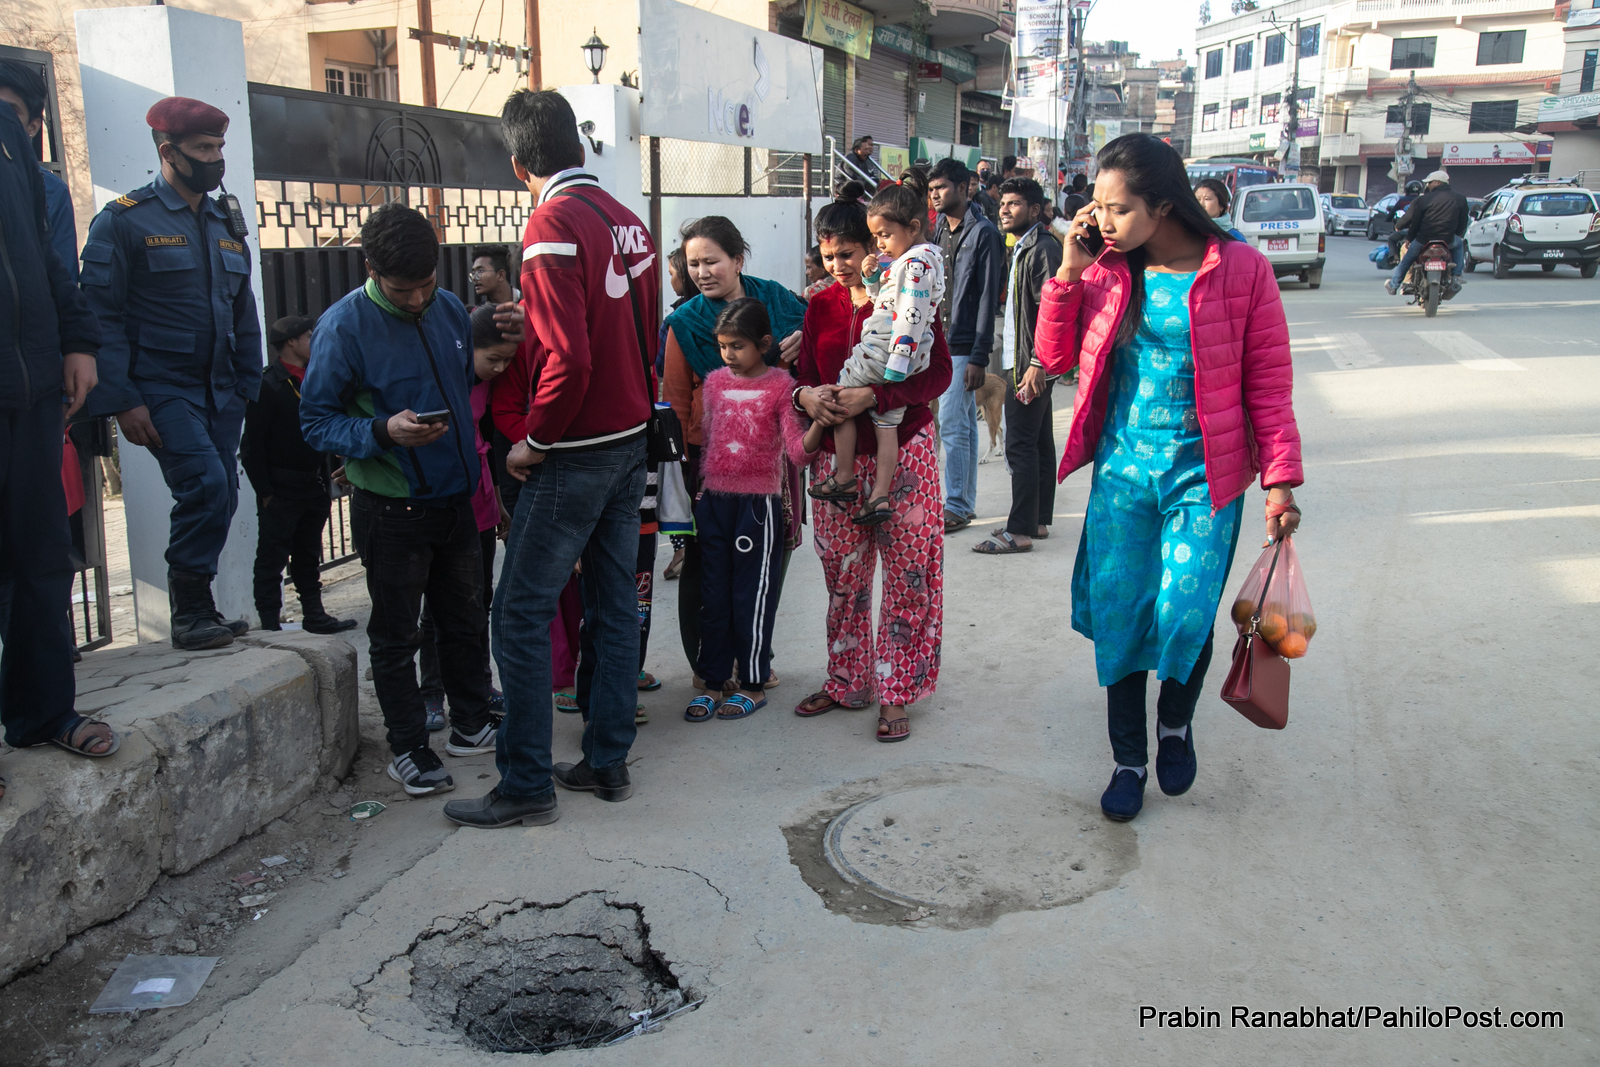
x=614, y=110
x=129, y=58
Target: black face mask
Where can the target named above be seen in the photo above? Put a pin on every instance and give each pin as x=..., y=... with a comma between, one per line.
x=203, y=177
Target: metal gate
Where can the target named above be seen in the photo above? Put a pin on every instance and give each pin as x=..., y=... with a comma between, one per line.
x=88, y=438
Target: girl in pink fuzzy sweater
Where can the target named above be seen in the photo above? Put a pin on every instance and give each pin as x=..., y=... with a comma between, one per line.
x=748, y=426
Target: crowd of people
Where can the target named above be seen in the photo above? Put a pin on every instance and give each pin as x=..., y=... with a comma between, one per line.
x=565, y=416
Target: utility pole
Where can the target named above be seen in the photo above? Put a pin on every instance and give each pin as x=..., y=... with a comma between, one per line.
x=1403, y=164
x=430, y=83
x=1291, y=132
x=534, y=74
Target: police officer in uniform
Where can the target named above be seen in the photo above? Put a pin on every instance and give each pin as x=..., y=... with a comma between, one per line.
x=168, y=273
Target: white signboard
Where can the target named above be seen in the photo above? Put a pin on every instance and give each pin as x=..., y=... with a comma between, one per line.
x=1039, y=116
x=1569, y=108
x=1489, y=152
x=708, y=78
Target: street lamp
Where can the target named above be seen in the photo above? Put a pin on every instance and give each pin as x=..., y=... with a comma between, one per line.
x=594, y=54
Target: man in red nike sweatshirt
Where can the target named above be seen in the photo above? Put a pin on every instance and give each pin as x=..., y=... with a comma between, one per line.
x=591, y=287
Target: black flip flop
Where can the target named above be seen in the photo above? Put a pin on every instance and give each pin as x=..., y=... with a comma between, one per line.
x=63, y=740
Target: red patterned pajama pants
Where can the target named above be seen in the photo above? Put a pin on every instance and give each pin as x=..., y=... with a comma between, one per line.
x=903, y=667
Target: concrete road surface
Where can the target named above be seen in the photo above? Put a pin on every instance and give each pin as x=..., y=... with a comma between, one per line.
x=1421, y=837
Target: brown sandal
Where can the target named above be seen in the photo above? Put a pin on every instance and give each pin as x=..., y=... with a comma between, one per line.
x=833, y=491
x=800, y=708
x=898, y=729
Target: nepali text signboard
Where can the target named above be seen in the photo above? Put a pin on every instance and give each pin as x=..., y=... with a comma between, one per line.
x=842, y=25
x=959, y=66
x=708, y=78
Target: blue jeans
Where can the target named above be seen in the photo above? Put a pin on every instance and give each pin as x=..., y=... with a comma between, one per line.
x=1458, y=245
x=958, y=429
x=580, y=505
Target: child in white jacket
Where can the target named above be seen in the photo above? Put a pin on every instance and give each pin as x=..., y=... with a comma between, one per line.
x=906, y=284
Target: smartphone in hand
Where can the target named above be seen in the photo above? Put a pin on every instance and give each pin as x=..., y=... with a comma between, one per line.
x=430, y=418
x=1091, y=241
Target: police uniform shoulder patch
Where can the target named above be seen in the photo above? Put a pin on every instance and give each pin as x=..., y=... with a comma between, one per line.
x=229, y=246
x=133, y=199
x=161, y=240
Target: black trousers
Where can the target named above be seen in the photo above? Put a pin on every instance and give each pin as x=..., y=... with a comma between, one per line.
x=37, y=687
x=412, y=550
x=1126, y=713
x=428, y=654
x=1031, y=454
x=289, y=532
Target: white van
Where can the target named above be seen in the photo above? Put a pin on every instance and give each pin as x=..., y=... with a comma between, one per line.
x=1287, y=224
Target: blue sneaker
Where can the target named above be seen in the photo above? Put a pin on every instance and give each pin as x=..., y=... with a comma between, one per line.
x=1124, y=796
x=497, y=701
x=435, y=709
x=1175, y=763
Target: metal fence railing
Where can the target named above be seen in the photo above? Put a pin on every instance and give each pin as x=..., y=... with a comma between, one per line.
x=91, y=595
x=336, y=544
x=298, y=214
x=700, y=168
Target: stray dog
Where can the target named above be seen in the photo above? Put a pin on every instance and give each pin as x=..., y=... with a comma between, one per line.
x=991, y=399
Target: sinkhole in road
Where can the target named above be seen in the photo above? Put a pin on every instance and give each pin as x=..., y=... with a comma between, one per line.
x=956, y=846
x=540, y=977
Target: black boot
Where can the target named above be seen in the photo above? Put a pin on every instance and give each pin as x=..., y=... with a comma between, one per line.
x=195, y=622
x=314, y=620
x=237, y=627
x=269, y=618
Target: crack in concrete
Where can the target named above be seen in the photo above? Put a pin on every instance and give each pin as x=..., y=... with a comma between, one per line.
x=727, y=904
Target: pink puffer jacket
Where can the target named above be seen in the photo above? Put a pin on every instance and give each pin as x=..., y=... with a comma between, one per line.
x=1244, y=379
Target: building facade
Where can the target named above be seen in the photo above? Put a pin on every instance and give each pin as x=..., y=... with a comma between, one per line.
x=1570, y=117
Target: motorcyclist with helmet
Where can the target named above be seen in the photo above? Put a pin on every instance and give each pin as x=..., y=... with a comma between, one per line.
x=1439, y=214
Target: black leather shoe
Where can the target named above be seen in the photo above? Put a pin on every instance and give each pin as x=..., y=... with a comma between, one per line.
x=492, y=811
x=323, y=623
x=609, y=784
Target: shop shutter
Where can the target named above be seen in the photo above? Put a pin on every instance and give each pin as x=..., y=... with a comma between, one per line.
x=994, y=135
x=833, y=86
x=937, y=119
x=881, y=99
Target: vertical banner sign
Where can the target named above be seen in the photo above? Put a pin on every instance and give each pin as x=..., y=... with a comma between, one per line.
x=842, y=25
x=708, y=78
x=1042, y=68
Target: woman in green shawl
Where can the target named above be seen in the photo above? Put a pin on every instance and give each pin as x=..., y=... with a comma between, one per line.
x=715, y=250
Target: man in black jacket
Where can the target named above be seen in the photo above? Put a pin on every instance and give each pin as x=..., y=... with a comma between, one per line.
x=974, y=275
x=291, y=483
x=48, y=343
x=1439, y=214
x=1030, y=440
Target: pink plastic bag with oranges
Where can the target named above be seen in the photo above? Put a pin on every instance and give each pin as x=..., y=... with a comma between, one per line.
x=1282, y=610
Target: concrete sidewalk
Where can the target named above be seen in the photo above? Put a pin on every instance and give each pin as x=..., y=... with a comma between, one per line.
x=1420, y=835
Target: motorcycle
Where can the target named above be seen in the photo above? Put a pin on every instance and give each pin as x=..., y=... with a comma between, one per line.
x=1429, y=280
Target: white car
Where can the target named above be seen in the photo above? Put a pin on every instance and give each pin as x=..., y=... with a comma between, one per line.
x=1345, y=212
x=1287, y=224
x=1549, y=221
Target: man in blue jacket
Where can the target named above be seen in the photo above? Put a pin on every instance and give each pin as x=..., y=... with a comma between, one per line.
x=48, y=341
x=974, y=273
x=168, y=275
x=23, y=88
x=389, y=388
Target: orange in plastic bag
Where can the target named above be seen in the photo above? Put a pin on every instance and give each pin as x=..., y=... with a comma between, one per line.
x=1273, y=599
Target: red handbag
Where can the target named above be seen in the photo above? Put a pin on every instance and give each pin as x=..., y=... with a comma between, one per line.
x=1258, y=682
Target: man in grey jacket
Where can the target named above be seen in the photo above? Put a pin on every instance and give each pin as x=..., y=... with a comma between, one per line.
x=1030, y=439
x=974, y=271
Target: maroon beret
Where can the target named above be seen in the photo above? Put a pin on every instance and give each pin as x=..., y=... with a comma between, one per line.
x=180, y=116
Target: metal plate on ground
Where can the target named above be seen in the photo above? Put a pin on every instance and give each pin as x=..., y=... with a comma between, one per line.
x=959, y=846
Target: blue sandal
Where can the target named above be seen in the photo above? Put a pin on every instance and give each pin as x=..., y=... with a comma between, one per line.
x=700, y=709
x=744, y=705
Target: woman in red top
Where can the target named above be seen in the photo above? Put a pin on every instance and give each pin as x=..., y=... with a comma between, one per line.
x=903, y=667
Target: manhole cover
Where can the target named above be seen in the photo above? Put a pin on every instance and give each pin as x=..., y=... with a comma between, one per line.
x=961, y=846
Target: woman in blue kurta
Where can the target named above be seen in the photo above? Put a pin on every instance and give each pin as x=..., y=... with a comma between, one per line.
x=1156, y=545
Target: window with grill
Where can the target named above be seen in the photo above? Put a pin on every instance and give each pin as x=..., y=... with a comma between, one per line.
x=1310, y=41
x=1208, y=117
x=1496, y=48
x=1239, y=113
x=358, y=83
x=1214, y=63
x=1269, y=108
x=1272, y=51
x=1493, y=116
x=334, y=80
x=1243, y=55
x=1586, y=79
x=1412, y=53
x=1421, y=115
